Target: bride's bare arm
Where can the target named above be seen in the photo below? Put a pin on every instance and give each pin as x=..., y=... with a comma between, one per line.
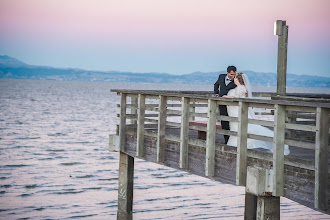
x=226, y=96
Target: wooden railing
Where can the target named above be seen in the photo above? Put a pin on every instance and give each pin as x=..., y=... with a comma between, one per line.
x=162, y=109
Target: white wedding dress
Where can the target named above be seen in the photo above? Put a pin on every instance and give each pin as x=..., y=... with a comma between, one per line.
x=240, y=92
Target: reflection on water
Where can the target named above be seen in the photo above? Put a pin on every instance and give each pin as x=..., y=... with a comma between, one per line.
x=54, y=161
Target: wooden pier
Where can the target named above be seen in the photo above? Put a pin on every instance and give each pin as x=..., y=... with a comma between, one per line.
x=154, y=126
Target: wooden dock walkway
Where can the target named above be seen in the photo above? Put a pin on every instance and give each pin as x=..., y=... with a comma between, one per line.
x=154, y=126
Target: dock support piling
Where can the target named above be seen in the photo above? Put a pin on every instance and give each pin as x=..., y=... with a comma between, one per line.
x=125, y=187
x=321, y=159
x=268, y=208
x=250, y=208
x=259, y=201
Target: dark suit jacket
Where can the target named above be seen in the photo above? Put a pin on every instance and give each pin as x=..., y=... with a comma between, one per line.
x=223, y=88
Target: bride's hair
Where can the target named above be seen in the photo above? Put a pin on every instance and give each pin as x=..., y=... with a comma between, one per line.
x=239, y=76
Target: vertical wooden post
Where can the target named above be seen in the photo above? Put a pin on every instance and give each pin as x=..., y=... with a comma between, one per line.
x=161, y=129
x=250, y=207
x=292, y=118
x=140, y=126
x=184, y=133
x=268, y=208
x=125, y=187
x=210, y=138
x=278, y=154
x=134, y=101
x=282, y=33
x=192, y=110
x=241, y=159
x=122, y=123
x=321, y=159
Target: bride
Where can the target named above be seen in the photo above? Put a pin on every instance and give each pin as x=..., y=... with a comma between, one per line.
x=243, y=90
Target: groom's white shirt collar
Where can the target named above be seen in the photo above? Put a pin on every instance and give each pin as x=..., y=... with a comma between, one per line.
x=227, y=81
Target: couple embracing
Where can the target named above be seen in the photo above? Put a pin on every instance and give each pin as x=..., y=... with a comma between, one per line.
x=234, y=85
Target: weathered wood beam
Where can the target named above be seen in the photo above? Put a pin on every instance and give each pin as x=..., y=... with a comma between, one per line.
x=122, y=122
x=184, y=133
x=125, y=187
x=134, y=101
x=210, y=138
x=161, y=129
x=321, y=159
x=241, y=159
x=140, y=125
x=278, y=153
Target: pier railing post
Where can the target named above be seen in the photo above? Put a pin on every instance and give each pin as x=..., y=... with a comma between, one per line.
x=292, y=119
x=210, y=138
x=122, y=123
x=161, y=129
x=278, y=154
x=321, y=159
x=192, y=110
x=134, y=101
x=125, y=187
x=184, y=133
x=241, y=159
x=140, y=125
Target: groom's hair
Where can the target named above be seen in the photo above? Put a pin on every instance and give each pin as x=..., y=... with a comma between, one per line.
x=231, y=68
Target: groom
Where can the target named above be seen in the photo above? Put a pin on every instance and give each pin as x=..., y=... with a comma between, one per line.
x=226, y=83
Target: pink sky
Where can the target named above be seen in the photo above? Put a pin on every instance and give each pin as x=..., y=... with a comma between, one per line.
x=165, y=36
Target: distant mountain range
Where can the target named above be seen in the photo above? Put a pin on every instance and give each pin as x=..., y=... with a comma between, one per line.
x=16, y=69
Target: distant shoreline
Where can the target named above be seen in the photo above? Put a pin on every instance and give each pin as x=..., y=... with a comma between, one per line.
x=177, y=86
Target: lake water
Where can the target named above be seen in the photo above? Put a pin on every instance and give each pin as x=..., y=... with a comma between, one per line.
x=55, y=163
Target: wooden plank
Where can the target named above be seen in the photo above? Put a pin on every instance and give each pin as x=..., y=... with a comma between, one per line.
x=204, y=98
x=184, y=133
x=210, y=138
x=198, y=114
x=230, y=103
x=321, y=159
x=259, y=137
x=122, y=122
x=134, y=101
x=125, y=187
x=173, y=98
x=241, y=159
x=161, y=129
x=278, y=154
x=130, y=116
x=300, y=144
x=173, y=124
x=192, y=109
x=299, y=109
x=259, y=105
x=300, y=127
x=261, y=122
x=200, y=100
x=226, y=118
x=151, y=96
x=140, y=125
